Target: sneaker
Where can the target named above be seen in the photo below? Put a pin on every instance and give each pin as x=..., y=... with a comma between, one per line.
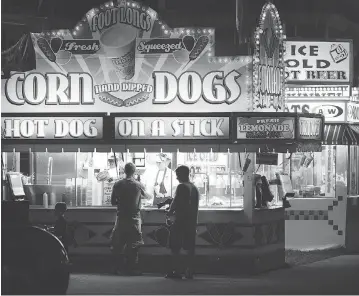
x=173, y=275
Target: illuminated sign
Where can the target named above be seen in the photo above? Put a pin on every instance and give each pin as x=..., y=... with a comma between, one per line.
x=332, y=111
x=310, y=128
x=120, y=57
x=120, y=13
x=176, y=128
x=49, y=89
x=80, y=46
x=318, y=61
x=57, y=128
x=353, y=112
x=318, y=92
x=268, y=62
x=158, y=46
x=261, y=128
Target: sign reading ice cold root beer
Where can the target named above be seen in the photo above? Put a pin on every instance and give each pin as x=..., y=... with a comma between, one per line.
x=121, y=58
x=318, y=61
x=261, y=128
x=51, y=128
x=176, y=128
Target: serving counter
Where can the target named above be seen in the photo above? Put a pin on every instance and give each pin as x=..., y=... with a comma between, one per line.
x=226, y=242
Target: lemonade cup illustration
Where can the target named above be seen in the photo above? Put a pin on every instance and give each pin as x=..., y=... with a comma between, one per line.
x=119, y=45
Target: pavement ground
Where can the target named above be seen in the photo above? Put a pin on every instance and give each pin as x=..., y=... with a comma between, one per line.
x=333, y=276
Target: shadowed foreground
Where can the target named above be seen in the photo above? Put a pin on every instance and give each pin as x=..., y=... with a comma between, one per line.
x=338, y=275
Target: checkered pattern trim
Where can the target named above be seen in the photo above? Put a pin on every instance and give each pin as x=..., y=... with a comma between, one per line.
x=330, y=209
x=306, y=215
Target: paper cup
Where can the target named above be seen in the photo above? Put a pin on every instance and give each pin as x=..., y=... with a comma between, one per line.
x=119, y=45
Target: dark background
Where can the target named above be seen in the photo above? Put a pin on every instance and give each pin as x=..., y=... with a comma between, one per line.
x=309, y=19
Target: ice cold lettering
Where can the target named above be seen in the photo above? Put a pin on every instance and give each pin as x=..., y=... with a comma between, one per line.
x=215, y=88
x=37, y=128
x=307, y=57
x=51, y=89
x=179, y=127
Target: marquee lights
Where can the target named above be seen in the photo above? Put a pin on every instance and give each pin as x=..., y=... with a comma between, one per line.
x=320, y=91
x=268, y=8
x=166, y=30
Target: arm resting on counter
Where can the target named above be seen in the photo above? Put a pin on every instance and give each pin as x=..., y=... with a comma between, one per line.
x=274, y=182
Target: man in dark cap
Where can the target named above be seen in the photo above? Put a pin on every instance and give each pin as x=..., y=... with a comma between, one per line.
x=184, y=208
x=126, y=235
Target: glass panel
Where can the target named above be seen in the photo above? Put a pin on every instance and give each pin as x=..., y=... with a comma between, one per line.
x=97, y=172
x=51, y=172
x=354, y=170
x=314, y=174
x=212, y=174
x=270, y=171
x=10, y=162
x=86, y=179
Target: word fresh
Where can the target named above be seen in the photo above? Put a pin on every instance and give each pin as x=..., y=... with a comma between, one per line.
x=81, y=46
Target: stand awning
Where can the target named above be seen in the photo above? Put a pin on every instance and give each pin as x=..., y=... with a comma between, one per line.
x=341, y=134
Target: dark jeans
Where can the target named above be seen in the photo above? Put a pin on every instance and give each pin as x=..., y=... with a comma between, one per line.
x=126, y=238
x=127, y=261
x=183, y=236
x=178, y=265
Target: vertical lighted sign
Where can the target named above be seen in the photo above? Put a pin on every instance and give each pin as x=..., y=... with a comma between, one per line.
x=268, y=63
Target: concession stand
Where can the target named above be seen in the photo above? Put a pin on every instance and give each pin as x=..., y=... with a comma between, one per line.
x=122, y=86
x=319, y=79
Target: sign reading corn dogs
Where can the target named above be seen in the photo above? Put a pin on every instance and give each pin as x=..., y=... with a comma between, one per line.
x=121, y=58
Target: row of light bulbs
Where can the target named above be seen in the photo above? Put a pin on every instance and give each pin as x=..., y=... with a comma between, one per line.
x=230, y=59
x=320, y=88
x=269, y=7
x=161, y=150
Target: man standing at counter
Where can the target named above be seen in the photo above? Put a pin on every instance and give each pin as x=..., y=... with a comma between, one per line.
x=126, y=236
x=184, y=208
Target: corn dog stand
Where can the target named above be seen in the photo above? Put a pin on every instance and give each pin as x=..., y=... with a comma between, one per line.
x=159, y=97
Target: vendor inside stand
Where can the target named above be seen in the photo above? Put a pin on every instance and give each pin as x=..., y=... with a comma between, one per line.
x=82, y=179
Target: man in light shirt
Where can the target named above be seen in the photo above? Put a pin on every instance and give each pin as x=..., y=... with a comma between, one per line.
x=159, y=179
